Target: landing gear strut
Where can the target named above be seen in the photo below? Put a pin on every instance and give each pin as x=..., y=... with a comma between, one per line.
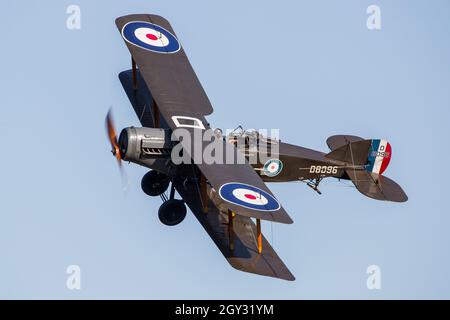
x=314, y=184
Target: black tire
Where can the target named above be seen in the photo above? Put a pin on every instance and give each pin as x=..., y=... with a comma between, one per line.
x=172, y=212
x=154, y=183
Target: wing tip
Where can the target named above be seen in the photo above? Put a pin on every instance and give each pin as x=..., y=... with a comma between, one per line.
x=282, y=216
x=282, y=275
x=288, y=220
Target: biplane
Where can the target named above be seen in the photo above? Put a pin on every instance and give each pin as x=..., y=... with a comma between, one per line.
x=229, y=198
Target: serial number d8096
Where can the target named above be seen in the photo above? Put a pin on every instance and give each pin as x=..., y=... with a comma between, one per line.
x=323, y=169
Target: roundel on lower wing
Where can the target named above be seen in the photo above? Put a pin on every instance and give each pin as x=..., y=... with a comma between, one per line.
x=150, y=36
x=273, y=167
x=247, y=196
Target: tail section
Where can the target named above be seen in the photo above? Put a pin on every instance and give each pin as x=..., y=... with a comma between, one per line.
x=367, y=160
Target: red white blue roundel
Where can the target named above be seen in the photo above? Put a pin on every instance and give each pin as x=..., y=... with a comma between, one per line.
x=273, y=167
x=150, y=36
x=247, y=196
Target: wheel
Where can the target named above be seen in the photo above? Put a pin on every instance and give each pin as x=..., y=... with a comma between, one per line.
x=172, y=212
x=154, y=183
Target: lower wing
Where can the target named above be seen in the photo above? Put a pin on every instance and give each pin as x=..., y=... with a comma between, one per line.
x=238, y=242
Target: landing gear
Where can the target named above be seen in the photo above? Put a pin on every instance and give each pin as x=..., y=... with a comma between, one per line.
x=172, y=211
x=314, y=184
x=155, y=183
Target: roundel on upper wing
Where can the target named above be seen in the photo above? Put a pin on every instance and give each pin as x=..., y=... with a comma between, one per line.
x=150, y=36
x=248, y=196
x=272, y=167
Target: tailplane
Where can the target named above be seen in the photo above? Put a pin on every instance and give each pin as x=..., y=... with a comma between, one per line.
x=376, y=186
x=340, y=140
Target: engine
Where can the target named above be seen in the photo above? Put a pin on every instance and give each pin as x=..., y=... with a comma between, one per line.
x=138, y=144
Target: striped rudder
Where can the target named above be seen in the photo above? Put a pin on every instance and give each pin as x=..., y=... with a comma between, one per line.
x=379, y=156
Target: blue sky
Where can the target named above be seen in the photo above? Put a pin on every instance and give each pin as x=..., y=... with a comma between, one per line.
x=310, y=68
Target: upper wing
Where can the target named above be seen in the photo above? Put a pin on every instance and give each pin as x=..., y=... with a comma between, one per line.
x=164, y=65
x=183, y=103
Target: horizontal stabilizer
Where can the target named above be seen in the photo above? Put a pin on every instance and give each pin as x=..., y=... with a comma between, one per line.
x=340, y=140
x=376, y=186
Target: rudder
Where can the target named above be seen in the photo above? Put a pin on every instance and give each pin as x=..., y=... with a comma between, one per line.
x=379, y=156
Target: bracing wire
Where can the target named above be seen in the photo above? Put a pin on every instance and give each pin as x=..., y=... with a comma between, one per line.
x=353, y=164
x=271, y=231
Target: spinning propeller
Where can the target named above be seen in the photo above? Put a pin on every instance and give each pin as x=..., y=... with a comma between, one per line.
x=115, y=149
x=110, y=128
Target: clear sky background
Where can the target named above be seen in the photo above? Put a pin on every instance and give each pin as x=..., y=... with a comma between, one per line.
x=310, y=68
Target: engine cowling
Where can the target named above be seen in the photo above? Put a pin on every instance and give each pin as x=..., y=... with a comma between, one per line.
x=137, y=144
